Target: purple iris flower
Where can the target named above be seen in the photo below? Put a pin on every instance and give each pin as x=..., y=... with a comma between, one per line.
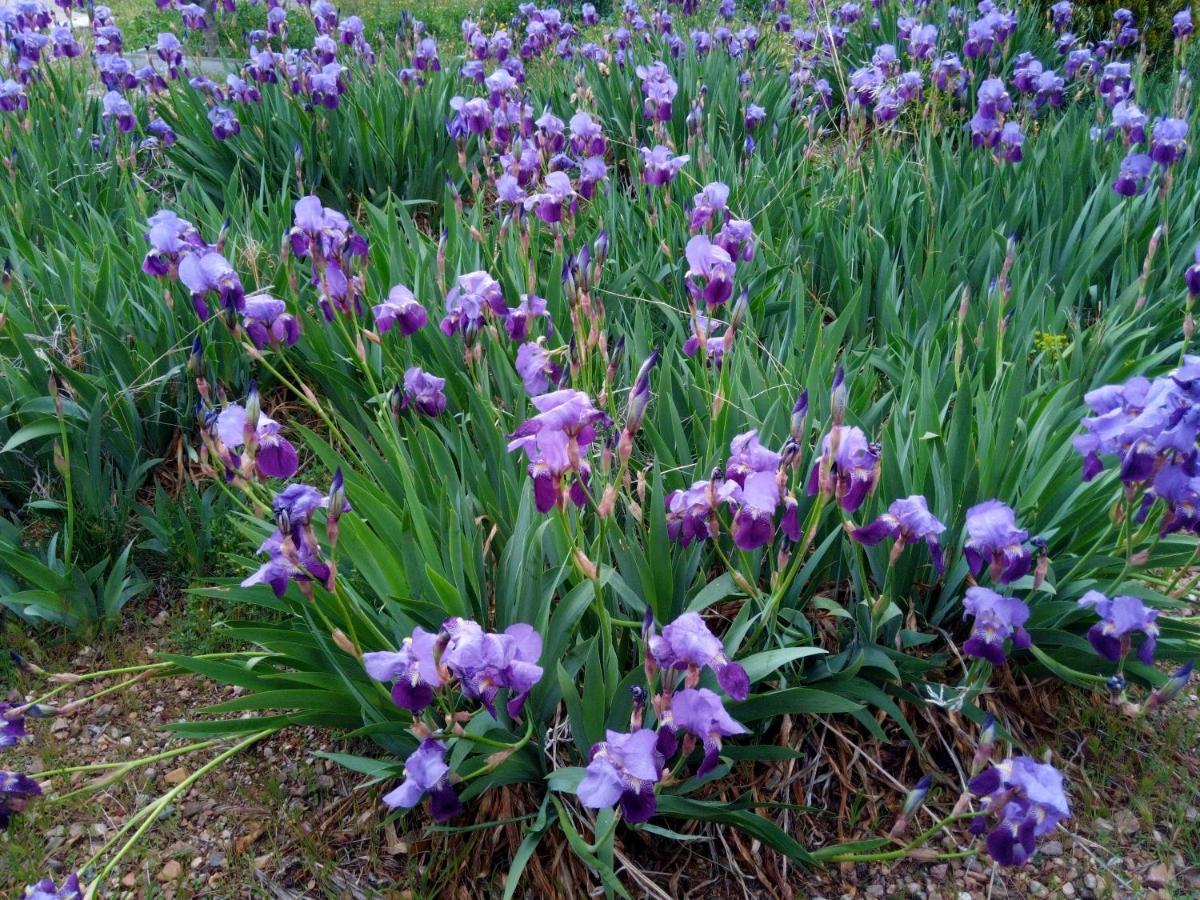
x=536, y=367
x=471, y=297
x=169, y=237
x=1060, y=14
x=65, y=45
x=587, y=136
x=555, y=441
x=756, y=501
x=413, y=669
x=1192, y=276
x=224, y=122
x=116, y=108
x=426, y=772
x=1119, y=618
x=660, y=165
x=994, y=539
x=1168, y=141
x=993, y=98
x=1130, y=120
x=947, y=74
x=519, y=319
x=624, y=768
x=847, y=468
x=907, y=521
x=1011, y=141
x=207, y=271
x=291, y=549
x=1181, y=24
x=710, y=205
x=1116, y=407
x=12, y=96
x=737, y=239
x=921, y=41
x=755, y=116
x=660, y=89
x=485, y=663
x=1027, y=801
x=424, y=392
x=997, y=618
x=701, y=712
x=401, y=308
x=588, y=14
x=692, y=513
x=1133, y=176
x=549, y=204
x=12, y=730
x=15, y=790
x=747, y=456
x=687, y=644
x=46, y=889
x=710, y=271
x=275, y=456
x=474, y=115
x=267, y=321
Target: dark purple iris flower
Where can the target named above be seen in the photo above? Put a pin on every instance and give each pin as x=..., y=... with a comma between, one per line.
x=993, y=539
x=162, y=131
x=1168, y=141
x=550, y=203
x=12, y=96
x=701, y=712
x=65, y=45
x=624, y=768
x=948, y=75
x=267, y=321
x=292, y=551
x=710, y=271
x=521, y=317
x=996, y=619
x=400, y=308
x=747, y=456
x=275, y=457
x=1173, y=686
x=659, y=88
x=660, y=165
x=687, y=644
x=423, y=392
x=1192, y=276
x=1131, y=121
x=1119, y=617
x=1060, y=15
x=921, y=41
x=1011, y=141
x=46, y=889
x=756, y=502
x=471, y=297
x=692, y=513
x=15, y=790
x=847, y=468
x=737, y=239
x=1023, y=800
x=907, y=521
x=169, y=237
x=426, y=772
x=413, y=669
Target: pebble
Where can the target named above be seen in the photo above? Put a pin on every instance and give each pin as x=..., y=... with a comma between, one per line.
x=1068, y=890
x=1037, y=889
x=876, y=890
x=171, y=871
x=1052, y=848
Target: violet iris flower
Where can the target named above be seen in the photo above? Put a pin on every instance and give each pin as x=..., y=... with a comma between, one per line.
x=424, y=392
x=485, y=663
x=1168, y=141
x=15, y=790
x=997, y=618
x=413, y=669
x=1191, y=277
x=267, y=321
x=660, y=89
x=847, y=468
x=536, y=367
x=275, y=457
x=115, y=108
x=170, y=237
x=46, y=889
x=1181, y=24
x=748, y=456
x=471, y=297
x=426, y=772
x=12, y=730
x=710, y=271
x=224, y=122
x=687, y=644
x=1011, y=141
x=660, y=166
x=907, y=520
x=710, y=205
x=1119, y=618
x=292, y=551
x=737, y=239
x=1133, y=177
x=756, y=501
x=624, y=768
x=206, y=271
x=994, y=539
x=1027, y=801
x=555, y=442
x=692, y=513
x=548, y=205
x=12, y=96
x=701, y=712
x=519, y=319
x=400, y=308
